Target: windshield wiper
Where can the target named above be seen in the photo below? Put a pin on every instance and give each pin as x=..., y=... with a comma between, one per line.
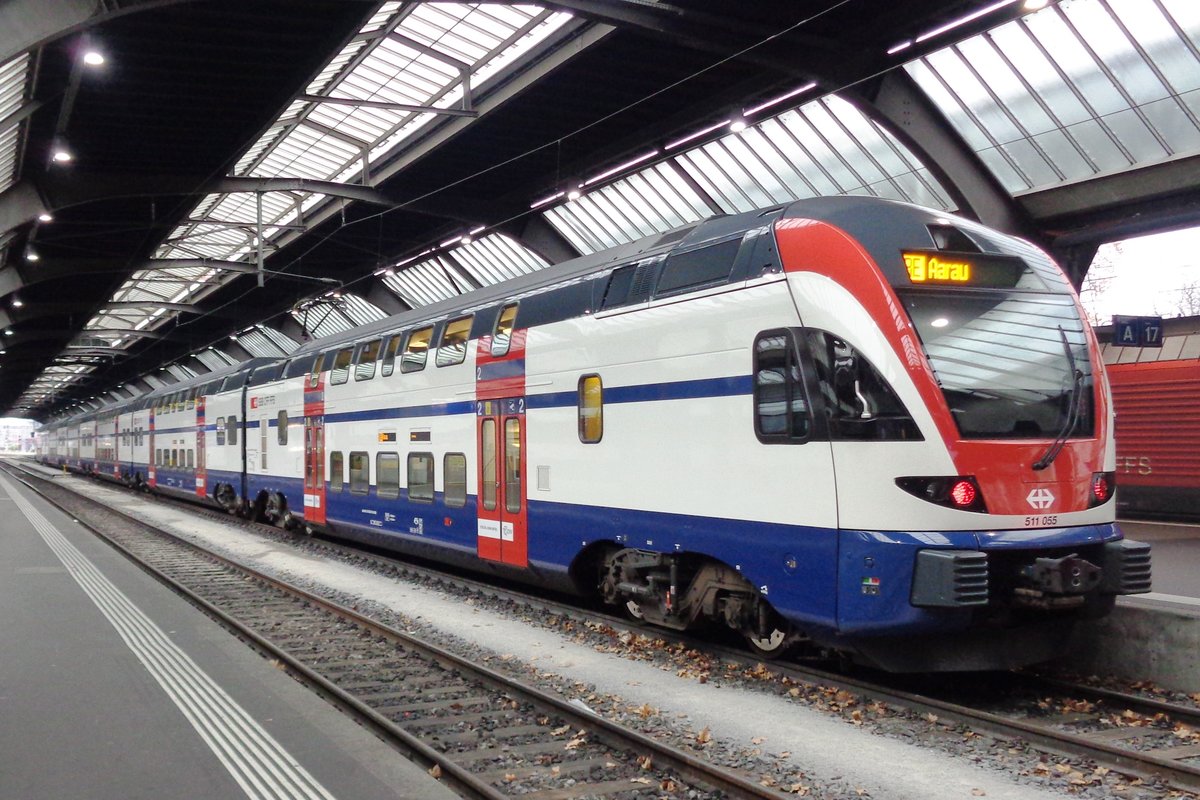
x=1074, y=407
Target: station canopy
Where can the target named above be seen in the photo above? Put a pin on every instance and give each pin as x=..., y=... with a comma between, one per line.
x=442, y=147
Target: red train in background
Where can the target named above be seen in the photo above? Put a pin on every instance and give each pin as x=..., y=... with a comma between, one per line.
x=1156, y=393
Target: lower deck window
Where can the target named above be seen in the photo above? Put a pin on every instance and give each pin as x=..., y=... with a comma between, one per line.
x=456, y=480
x=420, y=477
x=336, y=471
x=387, y=475
x=360, y=473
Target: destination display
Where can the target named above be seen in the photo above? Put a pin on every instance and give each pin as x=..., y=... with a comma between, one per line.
x=945, y=268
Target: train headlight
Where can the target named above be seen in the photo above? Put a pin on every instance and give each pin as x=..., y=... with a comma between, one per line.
x=1103, y=484
x=961, y=492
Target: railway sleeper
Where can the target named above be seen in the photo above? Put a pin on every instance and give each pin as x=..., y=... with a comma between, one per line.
x=682, y=591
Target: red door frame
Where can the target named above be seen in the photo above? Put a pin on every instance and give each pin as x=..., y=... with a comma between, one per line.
x=500, y=398
x=201, y=472
x=314, y=449
x=503, y=529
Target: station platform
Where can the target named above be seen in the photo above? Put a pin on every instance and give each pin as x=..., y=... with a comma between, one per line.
x=112, y=686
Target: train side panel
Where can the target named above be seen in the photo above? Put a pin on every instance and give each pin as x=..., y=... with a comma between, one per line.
x=1158, y=437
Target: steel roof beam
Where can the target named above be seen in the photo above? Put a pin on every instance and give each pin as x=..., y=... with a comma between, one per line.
x=896, y=102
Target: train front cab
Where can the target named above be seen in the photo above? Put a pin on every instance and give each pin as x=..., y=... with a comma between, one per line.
x=971, y=438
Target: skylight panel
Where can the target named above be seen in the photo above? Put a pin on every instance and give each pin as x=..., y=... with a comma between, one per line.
x=13, y=77
x=496, y=258
x=323, y=319
x=422, y=284
x=213, y=359
x=1075, y=90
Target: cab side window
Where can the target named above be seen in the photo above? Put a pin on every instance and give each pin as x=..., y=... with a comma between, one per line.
x=859, y=402
x=781, y=408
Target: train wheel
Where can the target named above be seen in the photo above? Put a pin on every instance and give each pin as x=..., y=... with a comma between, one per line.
x=633, y=610
x=774, y=645
x=780, y=636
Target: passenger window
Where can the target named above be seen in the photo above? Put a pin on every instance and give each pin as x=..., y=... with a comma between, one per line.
x=454, y=342
x=455, y=476
x=314, y=376
x=364, y=368
x=340, y=373
x=591, y=409
x=703, y=266
x=191, y=458
x=780, y=406
x=512, y=465
x=420, y=477
x=336, y=471
x=618, y=287
x=389, y=356
x=502, y=339
x=416, y=350
x=231, y=430
x=282, y=426
x=487, y=457
x=387, y=475
x=859, y=402
x=360, y=473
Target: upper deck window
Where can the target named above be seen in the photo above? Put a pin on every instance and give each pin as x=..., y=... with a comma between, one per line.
x=389, y=356
x=502, y=339
x=364, y=365
x=454, y=342
x=340, y=372
x=416, y=350
x=703, y=266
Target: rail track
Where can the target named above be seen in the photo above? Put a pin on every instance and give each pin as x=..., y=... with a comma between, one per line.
x=485, y=734
x=1149, y=739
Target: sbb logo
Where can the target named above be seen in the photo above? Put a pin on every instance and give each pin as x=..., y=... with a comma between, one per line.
x=1040, y=498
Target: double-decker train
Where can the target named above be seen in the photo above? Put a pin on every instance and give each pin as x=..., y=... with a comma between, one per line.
x=846, y=421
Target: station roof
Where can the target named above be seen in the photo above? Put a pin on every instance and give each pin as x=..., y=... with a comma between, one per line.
x=236, y=177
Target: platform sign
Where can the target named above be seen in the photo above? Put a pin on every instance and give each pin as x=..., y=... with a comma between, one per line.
x=1137, y=331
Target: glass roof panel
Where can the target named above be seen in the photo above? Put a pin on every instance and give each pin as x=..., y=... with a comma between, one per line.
x=1078, y=89
x=408, y=53
x=825, y=147
x=212, y=358
x=257, y=344
x=654, y=200
x=422, y=283
x=322, y=319
x=14, y=74
x=496, y=258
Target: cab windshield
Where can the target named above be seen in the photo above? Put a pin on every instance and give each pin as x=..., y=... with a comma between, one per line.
x=1011, y=364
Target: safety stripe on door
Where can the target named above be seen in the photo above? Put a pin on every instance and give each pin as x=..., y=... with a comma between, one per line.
x=259, y=764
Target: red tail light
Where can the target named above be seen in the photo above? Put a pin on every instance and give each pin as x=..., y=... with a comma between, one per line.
x=956, y=491
x=963, y=494
x=1103, y=484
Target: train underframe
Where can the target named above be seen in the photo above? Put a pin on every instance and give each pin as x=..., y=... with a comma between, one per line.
x=986, y=610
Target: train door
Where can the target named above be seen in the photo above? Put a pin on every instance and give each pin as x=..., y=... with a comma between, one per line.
x=201, y=472
x=314, y=448
x=152, y=461
x=264, y=427
x=502, y=503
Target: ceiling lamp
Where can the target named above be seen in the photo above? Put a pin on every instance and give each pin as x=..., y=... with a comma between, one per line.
x=45, y=216
x=93, y=58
